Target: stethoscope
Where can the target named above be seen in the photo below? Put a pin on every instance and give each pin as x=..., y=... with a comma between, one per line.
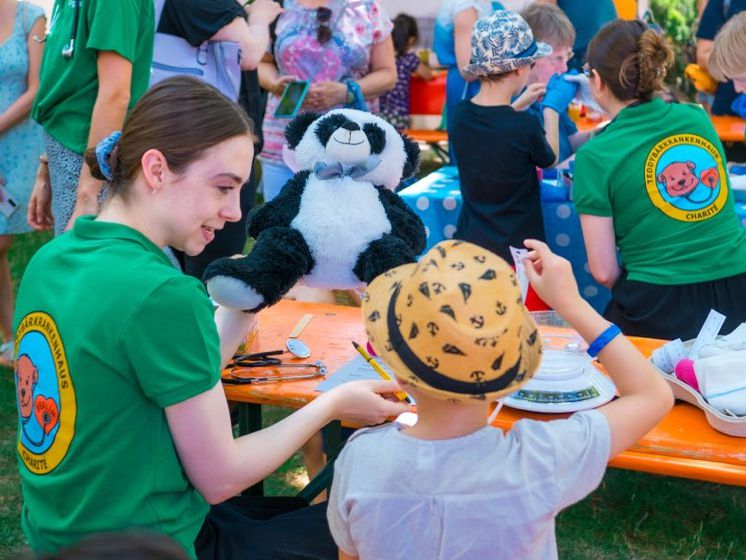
x=39, y=443
x=69, y=48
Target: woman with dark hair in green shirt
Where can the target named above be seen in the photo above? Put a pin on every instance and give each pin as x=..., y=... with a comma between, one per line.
x=654, y=183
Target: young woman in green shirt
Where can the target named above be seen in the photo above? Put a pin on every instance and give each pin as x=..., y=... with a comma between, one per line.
x=123, y=421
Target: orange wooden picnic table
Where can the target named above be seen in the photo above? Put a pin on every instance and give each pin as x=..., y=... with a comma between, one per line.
x=682, y=445
x=729, y=128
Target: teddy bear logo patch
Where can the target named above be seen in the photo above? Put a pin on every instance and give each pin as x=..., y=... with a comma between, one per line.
x=685, y=178
x=45, y=394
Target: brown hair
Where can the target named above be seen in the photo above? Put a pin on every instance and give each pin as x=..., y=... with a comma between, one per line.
x=728, y=57
x=549, y=24
x=181, y=117
x=405, y=27
x=630, y=58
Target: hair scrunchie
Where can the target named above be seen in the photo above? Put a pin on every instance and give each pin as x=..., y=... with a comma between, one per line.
x=103, y=153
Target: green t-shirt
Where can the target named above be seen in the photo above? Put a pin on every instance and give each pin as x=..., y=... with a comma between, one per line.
x=108, y=335
x=659, y=170
x=68, y=86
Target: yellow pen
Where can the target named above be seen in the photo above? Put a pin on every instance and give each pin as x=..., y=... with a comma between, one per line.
x=401, y=395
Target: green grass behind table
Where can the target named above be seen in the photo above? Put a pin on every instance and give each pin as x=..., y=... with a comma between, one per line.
x=630, y=516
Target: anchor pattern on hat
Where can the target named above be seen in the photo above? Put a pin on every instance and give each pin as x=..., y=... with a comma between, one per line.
x=453, y=323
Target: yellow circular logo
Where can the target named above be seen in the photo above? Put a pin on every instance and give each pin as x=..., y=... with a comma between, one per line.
x=685, y=178
x=45, y=392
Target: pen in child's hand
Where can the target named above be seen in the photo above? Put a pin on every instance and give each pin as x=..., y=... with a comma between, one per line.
x=401, y=395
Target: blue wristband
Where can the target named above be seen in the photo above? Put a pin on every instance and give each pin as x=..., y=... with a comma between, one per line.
x=358, y=101
x=611, y=332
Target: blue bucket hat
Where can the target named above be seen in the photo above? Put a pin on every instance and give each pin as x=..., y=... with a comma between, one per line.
x=503, y=42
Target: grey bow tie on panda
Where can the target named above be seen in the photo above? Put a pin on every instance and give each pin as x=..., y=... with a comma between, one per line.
x=336, y=170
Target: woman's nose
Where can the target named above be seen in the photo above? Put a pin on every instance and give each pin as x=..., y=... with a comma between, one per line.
x=232, y=211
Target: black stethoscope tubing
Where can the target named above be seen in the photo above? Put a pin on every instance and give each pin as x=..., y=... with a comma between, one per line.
x=69, y=48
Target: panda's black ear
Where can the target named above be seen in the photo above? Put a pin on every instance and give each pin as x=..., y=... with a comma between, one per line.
x=297, y=128
x=413, y=157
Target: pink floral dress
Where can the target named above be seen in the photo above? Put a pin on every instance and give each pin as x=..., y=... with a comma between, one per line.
x=356, y=26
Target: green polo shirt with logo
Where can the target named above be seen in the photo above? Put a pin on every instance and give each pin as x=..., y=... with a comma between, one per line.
x=658, y=169
x=68, y=86
x=108, y=334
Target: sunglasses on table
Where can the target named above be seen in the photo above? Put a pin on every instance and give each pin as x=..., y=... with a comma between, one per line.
x=323, y=31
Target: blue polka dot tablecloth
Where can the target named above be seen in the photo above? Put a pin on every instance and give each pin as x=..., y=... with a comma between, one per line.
x=437, y=200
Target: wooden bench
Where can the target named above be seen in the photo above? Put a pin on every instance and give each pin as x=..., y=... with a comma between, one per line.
x=682, y=445
x=436, y=139
x=729, y=128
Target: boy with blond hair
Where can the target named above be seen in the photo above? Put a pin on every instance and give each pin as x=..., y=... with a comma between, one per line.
x=550, y=25
x=455, y=333
x=728, y=58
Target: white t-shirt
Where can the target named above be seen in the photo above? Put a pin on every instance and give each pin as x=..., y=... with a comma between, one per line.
x=484, y=495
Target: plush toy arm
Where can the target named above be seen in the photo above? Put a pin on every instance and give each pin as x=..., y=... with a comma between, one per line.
x=404, y=222
x=280, y=211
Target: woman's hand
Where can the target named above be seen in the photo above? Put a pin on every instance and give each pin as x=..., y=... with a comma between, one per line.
x=277, y=87
x=325, y=95
x=551, y=276
x=529, y=96
x=39, y=214
x=362, y=402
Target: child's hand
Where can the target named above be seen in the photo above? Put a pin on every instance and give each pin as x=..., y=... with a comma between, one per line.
x=529, y=96
x=551, y=276
x=363, y=402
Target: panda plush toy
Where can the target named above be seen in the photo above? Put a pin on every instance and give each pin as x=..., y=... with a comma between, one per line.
x=337, y=223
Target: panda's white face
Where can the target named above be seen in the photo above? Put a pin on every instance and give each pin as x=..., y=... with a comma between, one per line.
x=348, y=144
x=349, y=137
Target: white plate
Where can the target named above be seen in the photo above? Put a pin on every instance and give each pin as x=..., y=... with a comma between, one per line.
x=565, y=382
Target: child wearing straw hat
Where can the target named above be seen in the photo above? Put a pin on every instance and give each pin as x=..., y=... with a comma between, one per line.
x=455, y=333
x=499, y=148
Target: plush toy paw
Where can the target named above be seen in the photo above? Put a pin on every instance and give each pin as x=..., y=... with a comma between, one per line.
x=233, y=293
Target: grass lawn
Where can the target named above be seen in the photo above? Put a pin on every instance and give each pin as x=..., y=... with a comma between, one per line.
x=630, y=516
